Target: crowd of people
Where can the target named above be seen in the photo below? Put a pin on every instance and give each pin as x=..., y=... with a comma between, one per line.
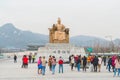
x=51, y=63
x=85, y=62
x=28, y=59
x=93, y=62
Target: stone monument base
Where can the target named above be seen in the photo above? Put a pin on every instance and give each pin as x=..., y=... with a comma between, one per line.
x=60, y=49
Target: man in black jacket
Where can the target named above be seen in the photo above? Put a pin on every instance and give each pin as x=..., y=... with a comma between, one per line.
x=84, y=63
x=109, y=63
x=95, y=63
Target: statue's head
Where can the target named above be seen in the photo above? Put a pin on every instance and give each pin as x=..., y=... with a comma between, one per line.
x=59, y=21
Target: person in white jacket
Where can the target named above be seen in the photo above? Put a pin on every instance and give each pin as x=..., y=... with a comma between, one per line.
x=99, y=63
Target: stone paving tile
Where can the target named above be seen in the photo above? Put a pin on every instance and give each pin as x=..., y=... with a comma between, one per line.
x=13, y=71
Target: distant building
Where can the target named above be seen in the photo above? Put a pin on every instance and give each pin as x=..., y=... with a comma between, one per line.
x=10, y=50
x=34, y=47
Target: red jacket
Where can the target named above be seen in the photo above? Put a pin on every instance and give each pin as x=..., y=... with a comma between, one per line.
x=25, y=60
x=76, y=58
x=60, y=61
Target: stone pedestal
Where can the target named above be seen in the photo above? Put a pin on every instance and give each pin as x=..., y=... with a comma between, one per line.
x=61, y=49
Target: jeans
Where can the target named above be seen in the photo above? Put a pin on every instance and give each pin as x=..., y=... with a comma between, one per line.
x=113, y=67
x=43, y=70
x=60, y=68
x=115, y=70
x=118, y=71
x=53, y=69
x=78, y=66
x=109, y=67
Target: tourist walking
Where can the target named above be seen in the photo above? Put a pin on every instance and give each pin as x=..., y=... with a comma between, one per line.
x=60, y=62
x=53, y=64
x=72, y=62
x=117, y=66
x=22, y=62
x=109, y=64
x=88, y=60
x=104, y=60
x=50, y=63
x=70, y=59
x=30, y=57
x=33, y=58
x=43, y=65
x=15, y=58
x=78, y=63
x=84, y=63
x=75, y=59
x=95, y=63
x=91, y=63
x=113, y=62
x=99, y=63
x=39, y=63
x=25, y=62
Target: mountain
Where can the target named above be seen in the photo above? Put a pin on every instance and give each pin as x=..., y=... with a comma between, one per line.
x=83, y=40
x=11, y=37
x=117, y=42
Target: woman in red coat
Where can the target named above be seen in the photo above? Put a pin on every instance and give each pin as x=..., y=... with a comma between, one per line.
x=25, y=61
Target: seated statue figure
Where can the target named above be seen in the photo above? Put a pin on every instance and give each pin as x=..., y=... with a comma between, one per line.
x=60, y=32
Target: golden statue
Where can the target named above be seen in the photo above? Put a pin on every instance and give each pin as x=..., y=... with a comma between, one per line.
x=58, y=33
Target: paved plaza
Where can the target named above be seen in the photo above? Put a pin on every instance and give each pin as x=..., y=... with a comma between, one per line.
x=13, y=71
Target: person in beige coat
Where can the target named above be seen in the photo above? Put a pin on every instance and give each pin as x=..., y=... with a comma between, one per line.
x=43, y=65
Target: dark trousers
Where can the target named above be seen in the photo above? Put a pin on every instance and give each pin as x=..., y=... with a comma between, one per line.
x=84, y=67
x=24, y=65
x=15, y=60
x=72, y=64
x=33, y=60
x=29, y=60
x=95, y=67
x=113, y=67
x=104, y=63
x=50, y=67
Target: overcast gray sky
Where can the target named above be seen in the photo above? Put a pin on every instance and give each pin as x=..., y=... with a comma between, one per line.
x=83, y=17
